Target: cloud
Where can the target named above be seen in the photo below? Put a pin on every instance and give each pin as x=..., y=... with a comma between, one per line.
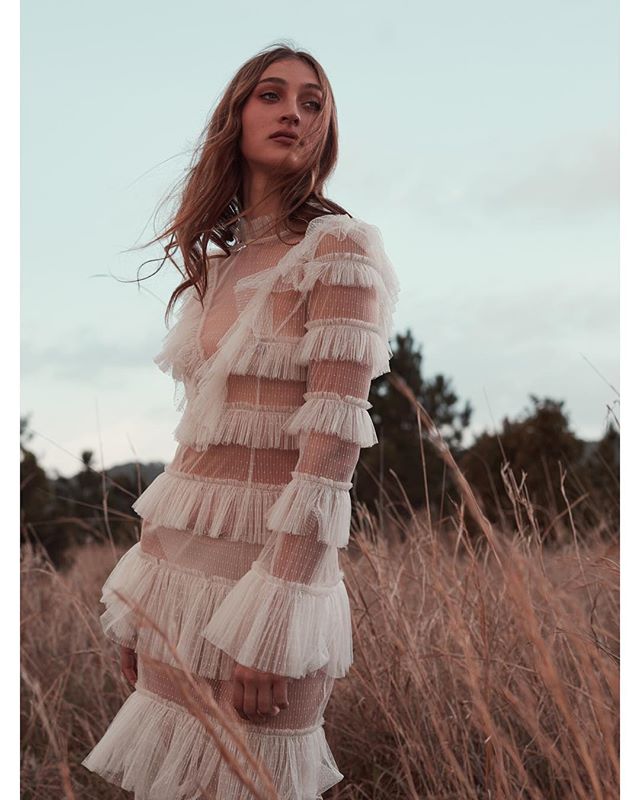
x=560, y=181
x=565, y=179
x=87, y=357
x=556, y=314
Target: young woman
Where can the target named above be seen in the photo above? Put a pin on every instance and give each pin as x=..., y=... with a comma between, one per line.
x=278, y=337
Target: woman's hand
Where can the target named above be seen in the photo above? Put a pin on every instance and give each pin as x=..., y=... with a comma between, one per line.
x=257, y=695
x=129, y=664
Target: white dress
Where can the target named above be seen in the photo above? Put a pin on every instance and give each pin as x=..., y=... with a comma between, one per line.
x=238, y=559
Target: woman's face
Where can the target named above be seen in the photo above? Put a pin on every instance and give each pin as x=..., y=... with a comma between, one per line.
x=287, y=98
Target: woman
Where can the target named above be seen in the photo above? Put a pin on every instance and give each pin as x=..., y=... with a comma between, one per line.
x=277, y=341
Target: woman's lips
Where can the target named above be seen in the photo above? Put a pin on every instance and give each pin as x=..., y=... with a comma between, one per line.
x=283, y=139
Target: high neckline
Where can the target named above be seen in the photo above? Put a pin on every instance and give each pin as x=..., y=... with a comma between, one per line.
x=256, y=228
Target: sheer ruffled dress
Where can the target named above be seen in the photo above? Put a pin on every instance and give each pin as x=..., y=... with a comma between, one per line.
x=238, y=559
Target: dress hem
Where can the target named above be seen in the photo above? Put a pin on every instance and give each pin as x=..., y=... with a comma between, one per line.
x=155, y=748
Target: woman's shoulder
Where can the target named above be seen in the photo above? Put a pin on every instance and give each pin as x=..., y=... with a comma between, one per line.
x=344, y=249
x=338, y=222
x=348, y=230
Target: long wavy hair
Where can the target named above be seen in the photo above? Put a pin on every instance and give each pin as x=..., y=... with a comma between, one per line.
x=210, y=195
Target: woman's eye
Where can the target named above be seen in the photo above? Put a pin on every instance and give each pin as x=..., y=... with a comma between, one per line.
x=317, y=106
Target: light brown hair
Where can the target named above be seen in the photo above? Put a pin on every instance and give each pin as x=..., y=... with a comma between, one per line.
x=210, y=194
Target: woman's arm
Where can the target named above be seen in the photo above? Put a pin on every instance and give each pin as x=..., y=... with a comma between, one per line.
x=289, y=614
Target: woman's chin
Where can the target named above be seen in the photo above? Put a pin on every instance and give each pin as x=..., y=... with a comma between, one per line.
x=281, y=165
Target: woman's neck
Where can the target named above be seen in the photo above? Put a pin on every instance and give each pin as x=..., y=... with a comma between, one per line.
x=256, y=194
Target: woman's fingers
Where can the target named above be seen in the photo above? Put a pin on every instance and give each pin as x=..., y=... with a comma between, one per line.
x=238, y=697
x=266, y=703
x=280, y=696
x=250, y=698
x=257, y=695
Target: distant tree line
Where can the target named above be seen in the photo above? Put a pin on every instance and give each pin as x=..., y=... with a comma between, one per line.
x=534, y=460
x=90, y=506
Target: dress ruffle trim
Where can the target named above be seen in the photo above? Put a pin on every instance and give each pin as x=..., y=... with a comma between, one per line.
x=269, y=359
x=180, y=354
x=157, y=749
x=359, y=269
x=177, y=599
x=313, y=505
x=239, y=423
x=286, y=627
x=344, y=416
x=351, y=269
x=344, y=339
x=208, y=507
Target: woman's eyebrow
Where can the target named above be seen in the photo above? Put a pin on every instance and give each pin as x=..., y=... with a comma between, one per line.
x=284, y=82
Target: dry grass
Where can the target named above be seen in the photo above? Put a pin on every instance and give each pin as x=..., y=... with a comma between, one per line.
x=478, y=681
x=485, y=668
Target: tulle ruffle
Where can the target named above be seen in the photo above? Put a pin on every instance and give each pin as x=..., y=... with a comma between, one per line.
x=208, y=507
x=313, y=505
x=180, y=353
x=350, y=269
x=343, y=339
x=269, y=358
x=285, y=627
x=238, y=423
x=157, y=749
x=177, y=599
x=369, y=268
x=344, y=416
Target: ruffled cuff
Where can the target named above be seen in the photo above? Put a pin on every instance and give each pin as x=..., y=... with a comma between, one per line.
x=285, y=627
x=313, y=505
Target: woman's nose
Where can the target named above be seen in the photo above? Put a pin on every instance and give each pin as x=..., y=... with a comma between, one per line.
x=291, y=117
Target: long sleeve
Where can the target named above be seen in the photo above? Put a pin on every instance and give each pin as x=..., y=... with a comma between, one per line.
x=289, y=614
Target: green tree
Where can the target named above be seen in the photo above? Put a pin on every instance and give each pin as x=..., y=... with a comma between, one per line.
x=39, y=508
x=399, y=437
x=601, y=478
x=535, y=446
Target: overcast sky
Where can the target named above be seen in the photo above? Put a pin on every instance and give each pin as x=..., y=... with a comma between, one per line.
x=481, y=138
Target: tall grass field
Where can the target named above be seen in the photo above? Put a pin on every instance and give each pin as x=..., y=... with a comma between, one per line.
x=486, y=663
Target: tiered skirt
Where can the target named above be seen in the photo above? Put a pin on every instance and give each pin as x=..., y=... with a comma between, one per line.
x=167, y=741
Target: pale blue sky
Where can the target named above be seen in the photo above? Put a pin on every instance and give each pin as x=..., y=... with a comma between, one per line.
x=482, y=139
